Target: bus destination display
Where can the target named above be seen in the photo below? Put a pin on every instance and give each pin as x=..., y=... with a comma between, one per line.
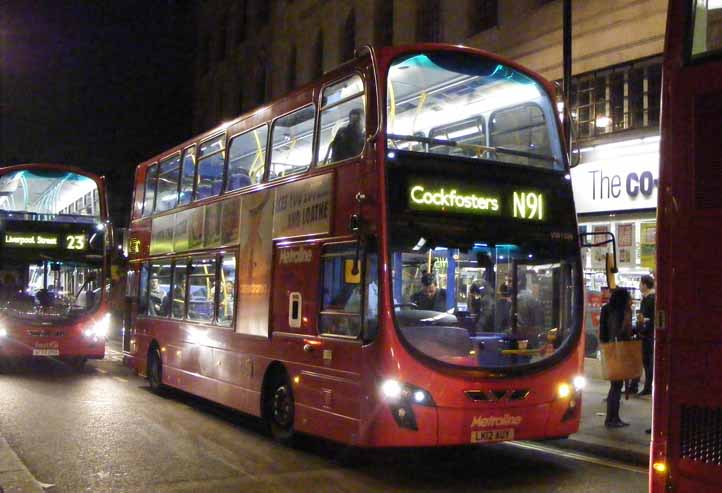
x=77, y=242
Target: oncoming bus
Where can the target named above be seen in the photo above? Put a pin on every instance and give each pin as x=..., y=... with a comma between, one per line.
x=385, y=257
x=53, y=263
x=686, y=453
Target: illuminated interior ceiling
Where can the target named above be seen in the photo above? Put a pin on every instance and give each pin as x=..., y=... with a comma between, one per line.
x=42, y=191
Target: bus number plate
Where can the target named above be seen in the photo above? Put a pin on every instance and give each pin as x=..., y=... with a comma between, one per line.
x=46, y=352
x=484, y=436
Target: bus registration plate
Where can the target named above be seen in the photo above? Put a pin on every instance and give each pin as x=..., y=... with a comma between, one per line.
x=46, y=352
x=484, y=436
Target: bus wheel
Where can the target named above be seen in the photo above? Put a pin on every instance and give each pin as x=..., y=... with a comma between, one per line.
x=78, y=363
x=281, y=410
x=155, y=371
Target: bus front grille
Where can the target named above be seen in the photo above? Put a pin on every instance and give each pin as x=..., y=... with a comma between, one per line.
x=701, y=434
x=497, y=395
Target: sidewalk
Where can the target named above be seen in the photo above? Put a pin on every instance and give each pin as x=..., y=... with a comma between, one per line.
x=14, y=476
x=628, y=444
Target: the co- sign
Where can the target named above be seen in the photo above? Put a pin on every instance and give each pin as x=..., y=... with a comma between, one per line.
x=610, y=186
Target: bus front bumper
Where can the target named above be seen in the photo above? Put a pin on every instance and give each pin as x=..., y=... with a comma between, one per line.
x=12, y=347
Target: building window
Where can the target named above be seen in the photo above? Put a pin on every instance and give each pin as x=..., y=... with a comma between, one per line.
x=317, y=57
x=616, y=99
x=428, y=21
x=482, y=15
x=241, y=22
x=348, y=37
x=292, y=68
x=385, y=23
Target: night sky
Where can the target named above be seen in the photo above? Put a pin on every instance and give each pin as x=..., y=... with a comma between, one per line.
x=101, y=85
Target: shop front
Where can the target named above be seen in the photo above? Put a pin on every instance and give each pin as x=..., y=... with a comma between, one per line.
x=615, y=190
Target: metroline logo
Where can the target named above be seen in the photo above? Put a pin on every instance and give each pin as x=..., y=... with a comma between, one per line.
x=486, y=422
x=452, y=199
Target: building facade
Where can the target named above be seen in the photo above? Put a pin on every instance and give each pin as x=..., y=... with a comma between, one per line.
x=251, y=51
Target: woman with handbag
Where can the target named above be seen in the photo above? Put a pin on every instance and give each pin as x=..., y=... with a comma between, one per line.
x=616, y=325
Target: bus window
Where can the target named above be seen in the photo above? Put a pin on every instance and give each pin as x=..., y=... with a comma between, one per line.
x=247, y=158
x=341, y=292
x=210, y=168
x=292, y=144
x=180, y=275
x=522, y=128
x=138, y=199
x=167, y=194
x=187, y=176
x=201, y=289
x=150, y=183
x=226, y=301
x=143, y=291
x=343, y=121
x=707, y=28
x=159, y=289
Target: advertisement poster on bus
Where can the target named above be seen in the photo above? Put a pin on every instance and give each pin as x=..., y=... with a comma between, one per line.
x=212, y=225
x=195, y=228
x=161, y=240
x=303, y=208
x=230, y=221
x=648, y=245
x=180, y=240
x=254, y=264
x=625, y=244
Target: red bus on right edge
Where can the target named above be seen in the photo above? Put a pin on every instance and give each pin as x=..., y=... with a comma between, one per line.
x=686, y=452
x=385, y=257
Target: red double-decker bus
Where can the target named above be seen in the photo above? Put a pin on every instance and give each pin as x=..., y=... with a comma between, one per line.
x=385, y=257
x=686, y=452
x=53, y=264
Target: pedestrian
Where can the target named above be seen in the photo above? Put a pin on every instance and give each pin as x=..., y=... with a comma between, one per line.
x=615, y=324
x=645, y=328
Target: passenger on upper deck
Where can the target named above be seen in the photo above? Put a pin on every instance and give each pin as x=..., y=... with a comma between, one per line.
x=157, y=297
x=349, y=141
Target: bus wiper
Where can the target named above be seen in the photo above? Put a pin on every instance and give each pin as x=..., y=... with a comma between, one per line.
x=477, y=148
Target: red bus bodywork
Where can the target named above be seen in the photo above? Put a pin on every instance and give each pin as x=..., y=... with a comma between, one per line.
x=74, y=340
x=336, y=380
x=686, y=451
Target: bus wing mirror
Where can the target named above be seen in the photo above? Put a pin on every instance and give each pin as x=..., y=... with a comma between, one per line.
x=603, y=239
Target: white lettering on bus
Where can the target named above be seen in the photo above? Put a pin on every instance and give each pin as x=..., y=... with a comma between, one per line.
x=297, y=256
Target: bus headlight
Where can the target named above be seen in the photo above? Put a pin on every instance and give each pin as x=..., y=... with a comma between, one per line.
x=100, y=328
x=579, y=383
x=660, y=467
x=394, y=391
x=391, y=389
x=3, y=332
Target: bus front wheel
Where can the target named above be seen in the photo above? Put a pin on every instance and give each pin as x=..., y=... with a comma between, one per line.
x=155, y=371
x=280, y=410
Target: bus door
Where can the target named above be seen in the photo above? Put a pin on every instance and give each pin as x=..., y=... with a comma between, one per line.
x=136, y=283
x=318, y=303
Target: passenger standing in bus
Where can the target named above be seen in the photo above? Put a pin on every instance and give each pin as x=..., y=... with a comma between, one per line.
x=157, y=297
x=349, y=141
x=530, y=312
x=645, y=328
x=615, y=324
x=430, y=297
x=502, y=310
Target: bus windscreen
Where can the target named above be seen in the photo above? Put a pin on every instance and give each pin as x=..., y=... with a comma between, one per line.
x=49, y=191
x=464, y=105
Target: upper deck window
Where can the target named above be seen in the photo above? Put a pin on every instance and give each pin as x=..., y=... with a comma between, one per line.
x=150, y=183
x=168, y=184
x=47, y=191
x=292, y=142
x=188, y=173
x=246, y=158
x=343, y=121
x=210, y=168
x=707, y=27
x=447, y=102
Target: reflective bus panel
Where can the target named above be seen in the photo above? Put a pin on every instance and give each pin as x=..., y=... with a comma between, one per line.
x=401, y=271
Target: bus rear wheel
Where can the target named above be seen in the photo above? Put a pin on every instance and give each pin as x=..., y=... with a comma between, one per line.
x=280, y=410
x=155, y=371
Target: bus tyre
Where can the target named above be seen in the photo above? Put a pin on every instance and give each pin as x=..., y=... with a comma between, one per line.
x=280, y=410
x=155, y=371
x=78, y=364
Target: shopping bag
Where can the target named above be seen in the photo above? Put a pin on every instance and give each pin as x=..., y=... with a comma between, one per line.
x=621, y=360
